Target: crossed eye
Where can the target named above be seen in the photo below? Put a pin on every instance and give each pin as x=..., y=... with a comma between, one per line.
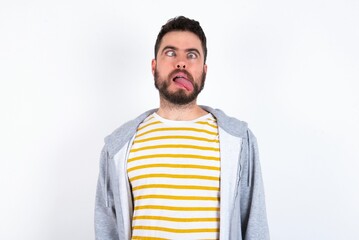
x=170, y=53
x=190, y=55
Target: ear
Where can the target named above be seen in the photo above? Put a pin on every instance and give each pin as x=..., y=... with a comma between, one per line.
x=154, y=63
x=205, y=68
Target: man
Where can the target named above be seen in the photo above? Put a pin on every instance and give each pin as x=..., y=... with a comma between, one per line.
x=181, y=171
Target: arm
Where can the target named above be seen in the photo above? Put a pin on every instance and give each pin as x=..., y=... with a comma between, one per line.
x=105, y=216
x=253, y=210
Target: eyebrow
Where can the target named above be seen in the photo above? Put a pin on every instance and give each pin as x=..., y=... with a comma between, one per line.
x=175, y=48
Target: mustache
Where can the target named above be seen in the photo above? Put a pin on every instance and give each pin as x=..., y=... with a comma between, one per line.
x=174, y=72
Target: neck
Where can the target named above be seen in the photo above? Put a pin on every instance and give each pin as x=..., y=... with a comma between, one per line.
x=176, y=112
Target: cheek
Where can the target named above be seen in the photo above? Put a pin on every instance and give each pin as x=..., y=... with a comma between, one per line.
x=199, y=73
x=163, y=66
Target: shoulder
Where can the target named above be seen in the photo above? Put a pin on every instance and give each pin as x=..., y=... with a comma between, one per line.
x=232, y=125
x=121, y=135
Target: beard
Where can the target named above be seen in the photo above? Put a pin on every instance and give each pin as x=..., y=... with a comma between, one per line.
x=180, y=97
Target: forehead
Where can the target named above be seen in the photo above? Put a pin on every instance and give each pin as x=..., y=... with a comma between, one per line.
x=181, y=40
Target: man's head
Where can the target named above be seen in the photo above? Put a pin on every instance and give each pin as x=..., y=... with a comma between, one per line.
x=179, y=66
x=182, y=23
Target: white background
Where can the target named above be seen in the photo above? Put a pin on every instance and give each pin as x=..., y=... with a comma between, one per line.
x=72, y=71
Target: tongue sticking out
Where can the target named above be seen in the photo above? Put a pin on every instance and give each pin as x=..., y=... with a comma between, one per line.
x=185, y=83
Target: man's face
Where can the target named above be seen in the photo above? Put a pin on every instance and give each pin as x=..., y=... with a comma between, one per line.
x=179, y=69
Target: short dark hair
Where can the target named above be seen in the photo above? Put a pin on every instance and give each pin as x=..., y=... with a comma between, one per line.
x=182, y=23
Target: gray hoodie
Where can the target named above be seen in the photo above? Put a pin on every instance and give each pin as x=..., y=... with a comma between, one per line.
x=242, y=205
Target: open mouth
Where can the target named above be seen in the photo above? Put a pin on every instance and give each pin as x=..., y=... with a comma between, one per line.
x=182, y=80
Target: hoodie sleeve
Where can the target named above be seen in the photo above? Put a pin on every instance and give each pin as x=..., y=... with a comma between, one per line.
x=105, y=216
x=253, y=211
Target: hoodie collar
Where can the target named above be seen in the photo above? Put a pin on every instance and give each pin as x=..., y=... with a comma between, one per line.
x=123, y=134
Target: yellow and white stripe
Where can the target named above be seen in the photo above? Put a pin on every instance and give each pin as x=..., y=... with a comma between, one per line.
x=174, y=171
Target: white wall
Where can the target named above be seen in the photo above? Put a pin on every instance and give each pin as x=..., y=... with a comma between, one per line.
x=73, y=71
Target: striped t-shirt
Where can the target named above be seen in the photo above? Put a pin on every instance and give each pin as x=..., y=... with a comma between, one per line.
x=174, y=172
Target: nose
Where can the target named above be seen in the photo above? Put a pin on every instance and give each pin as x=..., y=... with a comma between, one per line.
x=181, y=61
x=181, y=66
